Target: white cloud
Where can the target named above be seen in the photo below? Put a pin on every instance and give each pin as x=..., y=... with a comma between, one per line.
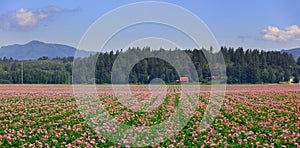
x=25, y=19
x=275, y=34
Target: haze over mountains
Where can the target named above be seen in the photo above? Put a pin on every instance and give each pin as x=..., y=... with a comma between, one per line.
x=295, y=52
x=36, y=49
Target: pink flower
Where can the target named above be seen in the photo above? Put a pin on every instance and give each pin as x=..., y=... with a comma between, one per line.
x=68, y=128
x=93, y=142
x=54, y=141
x=240, y=141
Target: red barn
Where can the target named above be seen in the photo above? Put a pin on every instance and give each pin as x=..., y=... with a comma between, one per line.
x=183, y=79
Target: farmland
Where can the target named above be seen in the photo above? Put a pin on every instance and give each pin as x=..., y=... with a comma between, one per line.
x=251, y=116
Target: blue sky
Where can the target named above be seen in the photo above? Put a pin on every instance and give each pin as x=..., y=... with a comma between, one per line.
x=267, y=24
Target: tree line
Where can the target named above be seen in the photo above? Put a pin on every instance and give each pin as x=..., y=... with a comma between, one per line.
x=242, y=66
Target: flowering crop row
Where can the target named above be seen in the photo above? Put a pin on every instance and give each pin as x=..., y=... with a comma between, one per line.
x=48, y=115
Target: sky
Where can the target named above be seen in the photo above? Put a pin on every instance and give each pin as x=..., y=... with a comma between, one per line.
x=256, y=24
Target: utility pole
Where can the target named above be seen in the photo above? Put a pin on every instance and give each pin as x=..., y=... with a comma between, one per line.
x=22, y=72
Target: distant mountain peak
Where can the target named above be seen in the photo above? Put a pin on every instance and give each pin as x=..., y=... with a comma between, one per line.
x=295, y=52
x=36, y=49
x=35, y=42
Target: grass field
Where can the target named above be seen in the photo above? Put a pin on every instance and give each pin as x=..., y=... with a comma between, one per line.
x=251, y=116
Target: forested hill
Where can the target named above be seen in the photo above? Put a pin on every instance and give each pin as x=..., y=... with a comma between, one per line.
x=35, y=49
x=242, y=66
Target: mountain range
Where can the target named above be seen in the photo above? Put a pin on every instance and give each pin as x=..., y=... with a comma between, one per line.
x=295, y=52
x=36, y=49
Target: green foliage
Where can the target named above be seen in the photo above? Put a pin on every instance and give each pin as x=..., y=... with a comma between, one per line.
x=42, y=71
x=250, y=66
x=296, y=79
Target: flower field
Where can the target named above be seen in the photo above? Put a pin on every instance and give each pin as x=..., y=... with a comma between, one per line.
x=251, y=116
